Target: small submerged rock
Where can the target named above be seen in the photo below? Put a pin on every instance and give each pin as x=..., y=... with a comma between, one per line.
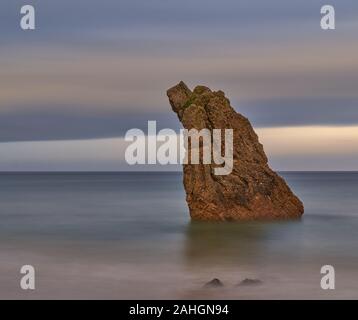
x=250, y=282
x=215, y=283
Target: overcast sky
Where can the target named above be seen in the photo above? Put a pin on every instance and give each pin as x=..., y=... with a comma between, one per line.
x=93, y=69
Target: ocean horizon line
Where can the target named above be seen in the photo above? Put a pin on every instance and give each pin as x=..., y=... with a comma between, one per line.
x=153, y=172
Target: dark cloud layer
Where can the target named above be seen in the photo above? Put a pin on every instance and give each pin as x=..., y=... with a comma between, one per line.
x=39, y=125
x=300, y=112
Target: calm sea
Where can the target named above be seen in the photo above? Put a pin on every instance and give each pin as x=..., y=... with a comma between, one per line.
x=128, y=235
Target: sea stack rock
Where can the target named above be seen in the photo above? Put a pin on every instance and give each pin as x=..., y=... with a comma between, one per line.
x=252, y=190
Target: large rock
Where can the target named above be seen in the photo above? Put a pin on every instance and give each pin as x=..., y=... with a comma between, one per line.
x=252, y=190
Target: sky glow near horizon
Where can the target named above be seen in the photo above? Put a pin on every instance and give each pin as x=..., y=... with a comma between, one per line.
x=90, y=71
x=283, y=145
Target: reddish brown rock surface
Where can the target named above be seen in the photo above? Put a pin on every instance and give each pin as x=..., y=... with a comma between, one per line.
x=252, y=190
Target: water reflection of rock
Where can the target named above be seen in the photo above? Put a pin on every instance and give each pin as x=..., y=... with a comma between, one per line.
x=228, y=243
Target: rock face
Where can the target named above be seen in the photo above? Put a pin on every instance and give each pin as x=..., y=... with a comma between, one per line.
x=252, y=190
